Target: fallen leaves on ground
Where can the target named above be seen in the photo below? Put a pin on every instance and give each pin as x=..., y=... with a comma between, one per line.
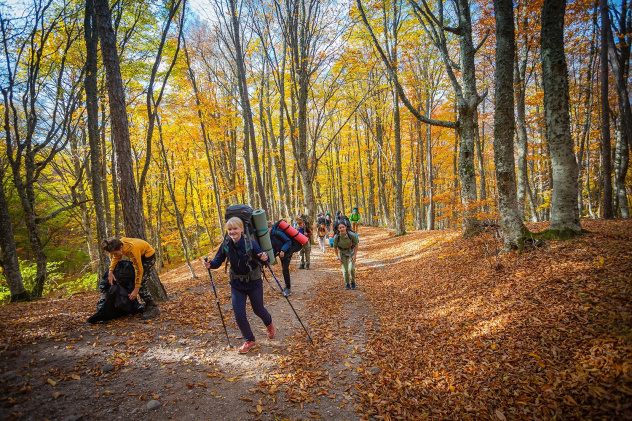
x=440, y=327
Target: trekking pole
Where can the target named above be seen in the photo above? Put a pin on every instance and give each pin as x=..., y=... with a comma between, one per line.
x=217, y=301
x=288, y=301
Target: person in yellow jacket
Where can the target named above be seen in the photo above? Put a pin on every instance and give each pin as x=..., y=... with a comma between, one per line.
x=143, y=257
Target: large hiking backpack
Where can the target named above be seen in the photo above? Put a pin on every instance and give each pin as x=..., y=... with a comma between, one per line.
x=244, y=213
x=296, y=245
x=320, y=220
x=341, y=219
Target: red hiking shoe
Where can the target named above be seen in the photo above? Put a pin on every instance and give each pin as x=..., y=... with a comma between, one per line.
x=271, y=331
x=246, y=347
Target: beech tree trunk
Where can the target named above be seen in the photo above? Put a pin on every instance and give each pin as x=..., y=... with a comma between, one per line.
x=564, y=210
x=606, y=169
x=132, y=212
x=513, y=229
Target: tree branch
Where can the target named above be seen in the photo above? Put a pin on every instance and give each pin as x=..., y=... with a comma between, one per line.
x=398, y=87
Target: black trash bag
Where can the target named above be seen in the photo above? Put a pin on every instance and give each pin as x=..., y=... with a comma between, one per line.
x=114, y=301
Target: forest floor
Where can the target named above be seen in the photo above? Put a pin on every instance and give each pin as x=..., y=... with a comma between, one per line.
x=439, y=327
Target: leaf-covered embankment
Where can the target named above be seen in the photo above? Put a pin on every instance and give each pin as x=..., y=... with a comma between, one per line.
x=463, y=335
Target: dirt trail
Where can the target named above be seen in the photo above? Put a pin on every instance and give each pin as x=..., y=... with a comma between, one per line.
x=53, y=365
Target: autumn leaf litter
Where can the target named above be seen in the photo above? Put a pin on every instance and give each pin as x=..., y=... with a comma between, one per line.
x=438, y=328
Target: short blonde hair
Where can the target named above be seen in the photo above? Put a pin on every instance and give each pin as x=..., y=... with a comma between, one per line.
x=235, y=222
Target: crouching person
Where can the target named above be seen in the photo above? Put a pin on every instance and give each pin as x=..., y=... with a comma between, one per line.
x=245, y=280
x=143, y=257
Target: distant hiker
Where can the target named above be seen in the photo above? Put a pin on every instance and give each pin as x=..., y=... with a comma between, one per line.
x=355, y=219
x=323, y=234
x=245, y=280
x=302, y=227
x=346, y=243
x=328, y=221
x=282, y=246
x=143, y=257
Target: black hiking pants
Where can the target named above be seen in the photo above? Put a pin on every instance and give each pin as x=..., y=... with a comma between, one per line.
x=285, y=265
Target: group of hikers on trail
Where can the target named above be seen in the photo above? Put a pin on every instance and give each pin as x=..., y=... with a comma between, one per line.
x=246, y=259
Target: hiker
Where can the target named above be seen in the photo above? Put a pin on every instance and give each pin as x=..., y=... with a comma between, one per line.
x=282, y=246
x=328, y=221
x=347, y=244
x=302, y=227
x=323, y=234
x=245, y=280
x=355, y=219
x=341, y=218
x=143, y=257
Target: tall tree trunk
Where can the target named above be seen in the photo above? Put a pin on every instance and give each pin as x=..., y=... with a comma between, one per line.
x=360, y=172
x=9, y=258
x=514, y=231
x=245, y=103
x=132, y=212
x=430, y=212
x=622, y=159
x=564, y=210
x=606, y=169
x=379, y=139
x=371, y=198
x=92, y=111
x=103, y=169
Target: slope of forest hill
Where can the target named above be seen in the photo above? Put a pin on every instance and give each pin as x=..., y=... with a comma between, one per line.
x=439, y=327
x=539, y=335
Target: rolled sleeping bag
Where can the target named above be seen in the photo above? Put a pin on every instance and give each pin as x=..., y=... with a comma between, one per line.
x=260, y=222
x=292, y=232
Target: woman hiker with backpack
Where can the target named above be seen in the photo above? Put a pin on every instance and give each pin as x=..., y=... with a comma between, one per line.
x=282, y=246
x=347, y=244
x=245, y=280
x=143, y=257
x=302, y=227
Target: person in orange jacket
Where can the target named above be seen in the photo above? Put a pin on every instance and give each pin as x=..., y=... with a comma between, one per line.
x=143, y=257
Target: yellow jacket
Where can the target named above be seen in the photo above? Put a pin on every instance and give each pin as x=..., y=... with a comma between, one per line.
x=134, y=248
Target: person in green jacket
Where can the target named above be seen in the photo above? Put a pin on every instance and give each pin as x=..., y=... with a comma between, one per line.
x=355, y=219
x=346, y=242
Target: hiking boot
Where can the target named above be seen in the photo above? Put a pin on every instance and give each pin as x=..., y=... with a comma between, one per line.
x=302, y=266
x=352, y=285
x=150, y=312
x=347, y=286
x=307, y=266
x=247, y=346
x=95, y=318
x=271, y=331
x=287, y=292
